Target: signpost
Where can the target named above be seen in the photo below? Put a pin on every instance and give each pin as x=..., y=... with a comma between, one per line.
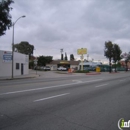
x=35, y=62
x=81, y=52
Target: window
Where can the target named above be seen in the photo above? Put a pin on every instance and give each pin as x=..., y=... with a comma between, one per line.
x=17, y=66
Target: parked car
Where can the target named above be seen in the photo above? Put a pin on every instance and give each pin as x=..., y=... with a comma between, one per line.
x=47, y=68
x=42, y=68
x=61, y=68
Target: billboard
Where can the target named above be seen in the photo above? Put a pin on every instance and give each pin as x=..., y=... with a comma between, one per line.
x=82, y=51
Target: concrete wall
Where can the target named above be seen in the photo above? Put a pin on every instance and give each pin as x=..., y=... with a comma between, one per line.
x=6, y=65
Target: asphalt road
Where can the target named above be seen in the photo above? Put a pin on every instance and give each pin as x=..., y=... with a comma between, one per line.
x=66, y=103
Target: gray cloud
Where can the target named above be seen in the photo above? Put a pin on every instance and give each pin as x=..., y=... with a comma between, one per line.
x=70, y=24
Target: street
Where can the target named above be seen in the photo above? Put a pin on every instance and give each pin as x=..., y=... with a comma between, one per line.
x=65, y=103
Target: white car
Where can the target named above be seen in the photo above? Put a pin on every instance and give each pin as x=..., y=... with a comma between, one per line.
x=61, y=68
x=47, y=68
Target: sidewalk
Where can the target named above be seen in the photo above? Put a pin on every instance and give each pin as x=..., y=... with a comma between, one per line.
x=41, y=74
x=30, y=75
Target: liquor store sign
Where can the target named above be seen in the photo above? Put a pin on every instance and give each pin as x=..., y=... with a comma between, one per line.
x=7, y=56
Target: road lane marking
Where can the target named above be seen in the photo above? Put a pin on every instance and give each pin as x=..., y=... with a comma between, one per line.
x=101, y=85
x=77, y=81
x=36, y=89
x=51, y=97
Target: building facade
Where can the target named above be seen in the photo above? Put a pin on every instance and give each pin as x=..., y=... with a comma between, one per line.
x=89, y=64
x=20, y=66
x=123, y=64
x=68, y=64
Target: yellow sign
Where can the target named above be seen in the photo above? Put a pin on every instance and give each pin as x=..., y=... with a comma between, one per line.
x=98, y=69
x=82, y=51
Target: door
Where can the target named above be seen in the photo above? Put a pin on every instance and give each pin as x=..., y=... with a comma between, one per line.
x=22, y=68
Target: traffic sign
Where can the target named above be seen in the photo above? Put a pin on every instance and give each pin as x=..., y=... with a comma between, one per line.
x=35, y=62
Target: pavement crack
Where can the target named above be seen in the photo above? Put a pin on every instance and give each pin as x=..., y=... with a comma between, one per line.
x=9, y=117
x=75, y=123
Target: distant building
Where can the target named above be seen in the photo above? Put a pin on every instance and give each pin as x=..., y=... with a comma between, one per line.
x=123, y=64
x=89, y=64
x=20, y=64
x=68, y=64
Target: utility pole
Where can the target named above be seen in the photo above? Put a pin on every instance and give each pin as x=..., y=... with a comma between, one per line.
x=13, y=46
x=61, y=50
x=87, y=57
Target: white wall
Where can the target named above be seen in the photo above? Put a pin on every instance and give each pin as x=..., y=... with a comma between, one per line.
x=21, y=59
x=6, y=66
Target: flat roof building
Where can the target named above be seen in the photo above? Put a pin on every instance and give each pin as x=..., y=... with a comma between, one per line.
x=20, y=67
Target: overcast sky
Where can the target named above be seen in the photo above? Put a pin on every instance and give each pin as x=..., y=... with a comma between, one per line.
x=50, y=25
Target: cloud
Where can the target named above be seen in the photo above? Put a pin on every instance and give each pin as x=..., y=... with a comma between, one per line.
x=70, y=24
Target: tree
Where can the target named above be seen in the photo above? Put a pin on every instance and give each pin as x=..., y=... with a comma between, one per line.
x=109, y=52
x=116, y=54
x=71, y=57
x=66, y=56
x=43, y=60
x=24, y=48
x=5, y=17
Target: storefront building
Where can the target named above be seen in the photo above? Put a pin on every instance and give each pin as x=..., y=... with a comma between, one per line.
x=67, y=64
x=20, y=64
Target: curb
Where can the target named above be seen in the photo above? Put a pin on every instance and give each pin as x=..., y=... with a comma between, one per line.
x=93, y=73
x=16, y=78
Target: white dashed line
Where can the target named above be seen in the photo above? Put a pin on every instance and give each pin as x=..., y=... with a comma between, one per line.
x=36, y=89
x=77, y=81
x=51, y=97
x=101, y=85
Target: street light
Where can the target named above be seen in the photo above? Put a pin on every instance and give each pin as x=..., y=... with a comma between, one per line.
x=13, y=46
